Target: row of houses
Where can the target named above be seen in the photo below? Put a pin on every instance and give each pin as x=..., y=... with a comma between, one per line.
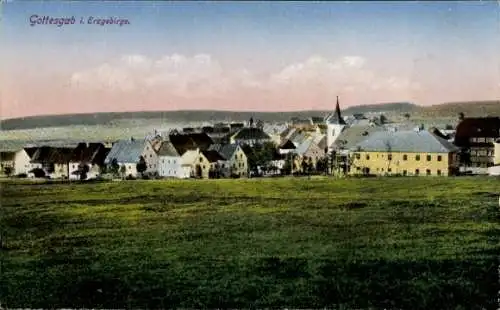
x=55, y=162
x=360, y=146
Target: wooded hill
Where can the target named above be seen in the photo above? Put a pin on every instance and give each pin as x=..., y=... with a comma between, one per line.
x=475, y=108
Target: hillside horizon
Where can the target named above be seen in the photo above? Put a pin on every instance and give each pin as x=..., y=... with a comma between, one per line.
x=448, y=109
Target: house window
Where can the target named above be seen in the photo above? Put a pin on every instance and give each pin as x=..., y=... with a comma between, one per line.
x=429, y=158
x=129, y=167
x=439, y=172
x=389, y=170
x=358, y=156
x=405, y=157
x=204, y=167
x=440, y=158
x=417, y=157
x=168, y=161
x=417, y=172
x=201, y=159
x=174, y=161
x=428, y=172
x=367, y=157
x=389, y=157
x=150, y=166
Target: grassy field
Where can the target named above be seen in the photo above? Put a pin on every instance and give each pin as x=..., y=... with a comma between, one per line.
x=406, y=243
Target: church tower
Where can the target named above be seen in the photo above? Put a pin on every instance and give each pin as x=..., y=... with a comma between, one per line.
x=335, y=125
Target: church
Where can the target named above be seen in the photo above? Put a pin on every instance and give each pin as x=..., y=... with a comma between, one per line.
x=335, y=125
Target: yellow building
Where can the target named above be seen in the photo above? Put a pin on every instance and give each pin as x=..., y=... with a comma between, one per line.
x=412, y=153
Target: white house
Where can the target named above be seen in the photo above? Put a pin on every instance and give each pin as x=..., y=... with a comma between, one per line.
x=128, y=153
x=170, y=162
x=18, y=160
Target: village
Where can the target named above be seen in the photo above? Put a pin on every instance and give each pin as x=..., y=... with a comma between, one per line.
x=355, y=145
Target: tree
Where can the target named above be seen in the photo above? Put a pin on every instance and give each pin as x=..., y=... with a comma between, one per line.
x=461, y=116
x=310, y=166
x=8, y=170
x=141, y=166
x=464, y=157
x=322, y=165
x=382, y=119
x=259, y=155
x=304, y=165
x=114, y=167
x=38, y=172
x=407, y=116
x=83, y=169
x=388, y=149
x=123, y=171
x=332, y=161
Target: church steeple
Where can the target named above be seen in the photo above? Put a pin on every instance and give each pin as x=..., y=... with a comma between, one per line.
x=337, y=109
x=336, y=118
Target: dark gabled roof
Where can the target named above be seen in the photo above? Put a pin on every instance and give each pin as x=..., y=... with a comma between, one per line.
x=226, y=150
x=201, y=139
x=168, y=149
x=30, y=151
x=487, y=127
x=207, y=129
x=251, y=133
x=87, y=153
x=212, y=156
x=56, y=155
x=287, y=145
x=182, y=143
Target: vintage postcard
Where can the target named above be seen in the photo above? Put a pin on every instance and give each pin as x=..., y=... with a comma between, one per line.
x=250, y=154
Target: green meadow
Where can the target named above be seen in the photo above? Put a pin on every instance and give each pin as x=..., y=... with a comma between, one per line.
x=394, y=243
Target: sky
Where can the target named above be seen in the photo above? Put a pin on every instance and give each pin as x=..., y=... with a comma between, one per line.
x=244, y=56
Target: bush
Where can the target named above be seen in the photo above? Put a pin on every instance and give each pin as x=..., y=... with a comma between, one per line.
x=130, y=177
x=38, y=173
x=22, y=175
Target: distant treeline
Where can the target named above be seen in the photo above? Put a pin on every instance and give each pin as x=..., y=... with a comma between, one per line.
x=480, y=108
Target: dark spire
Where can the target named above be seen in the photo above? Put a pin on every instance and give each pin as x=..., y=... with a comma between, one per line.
x=337, y=109
x=337, y=117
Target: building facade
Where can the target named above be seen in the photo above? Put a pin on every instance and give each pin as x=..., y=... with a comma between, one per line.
x=406, y=153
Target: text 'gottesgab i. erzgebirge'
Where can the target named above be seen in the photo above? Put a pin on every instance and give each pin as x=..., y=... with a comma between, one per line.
x=35, y=20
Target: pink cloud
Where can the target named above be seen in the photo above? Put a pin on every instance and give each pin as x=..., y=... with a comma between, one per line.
x=171, y=82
